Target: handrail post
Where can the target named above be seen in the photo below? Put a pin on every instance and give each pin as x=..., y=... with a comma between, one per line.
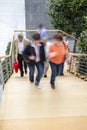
x=10, y=63
x=1, y=71
x=6, y=61
x=74, y=49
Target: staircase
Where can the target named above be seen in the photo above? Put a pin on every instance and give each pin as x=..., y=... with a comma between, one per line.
x=24, y=106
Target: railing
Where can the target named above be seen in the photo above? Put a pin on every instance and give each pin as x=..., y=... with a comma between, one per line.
x=71, y=39
x=6, y=68
x=78, y=65
x=6, y=61
x=49, y=31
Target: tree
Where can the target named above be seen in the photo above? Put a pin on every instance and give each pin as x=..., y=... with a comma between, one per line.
x=82, y=44
x=8, y=48
x=68, y=15
x=82, y=60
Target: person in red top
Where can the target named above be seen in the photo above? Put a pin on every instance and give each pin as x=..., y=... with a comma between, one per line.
x=57, y=54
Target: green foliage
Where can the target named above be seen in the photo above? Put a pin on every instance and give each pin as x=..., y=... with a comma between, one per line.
x=68, y=15
x=8, y=48
x=82, y=44
x=82, y=61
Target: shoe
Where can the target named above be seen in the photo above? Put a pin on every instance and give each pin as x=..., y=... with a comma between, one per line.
x=61, y=75
x=45, y=76
x=22, y=74
x=38, y=87
x=31, y=82
x=53, y=86
x=37, y=84
x=25, y=71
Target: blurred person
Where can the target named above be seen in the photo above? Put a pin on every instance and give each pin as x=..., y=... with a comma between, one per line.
x=18, y=46
x=42, y=31
x=34, y=55
x=57, y=54
x=46, y=48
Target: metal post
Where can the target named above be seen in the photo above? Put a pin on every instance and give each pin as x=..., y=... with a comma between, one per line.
x=7, y=71
x=74, y=49
x=1, y=71
x=10, y=64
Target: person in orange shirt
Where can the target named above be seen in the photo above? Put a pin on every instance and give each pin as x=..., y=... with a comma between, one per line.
x=57, y=55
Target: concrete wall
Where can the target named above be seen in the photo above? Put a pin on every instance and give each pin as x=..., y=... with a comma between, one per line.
x=36, y=14
x=14, y=13
x=12, y=16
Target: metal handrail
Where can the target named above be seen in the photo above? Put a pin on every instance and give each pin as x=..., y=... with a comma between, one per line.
x=6, y=68
x=77, y=54
x=7, y=56
x=78, y=65
x=60, y=31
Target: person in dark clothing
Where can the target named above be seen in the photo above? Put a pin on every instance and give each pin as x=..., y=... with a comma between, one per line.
x=34, y=55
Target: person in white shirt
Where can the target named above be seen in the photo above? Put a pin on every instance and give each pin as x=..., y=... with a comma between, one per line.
x=18, y=46
x=42, y=31
x=46, y=48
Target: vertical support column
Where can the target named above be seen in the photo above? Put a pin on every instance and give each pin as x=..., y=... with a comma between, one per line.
x=74, y=49
x=10, y=64
x=7, y=71
x=1, y=73
x=70, y=65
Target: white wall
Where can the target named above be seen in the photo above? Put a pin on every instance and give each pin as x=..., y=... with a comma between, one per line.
x=12, y=16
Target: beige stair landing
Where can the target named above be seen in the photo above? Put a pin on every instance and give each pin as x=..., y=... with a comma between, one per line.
x=70, y=123
x=26, y=107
